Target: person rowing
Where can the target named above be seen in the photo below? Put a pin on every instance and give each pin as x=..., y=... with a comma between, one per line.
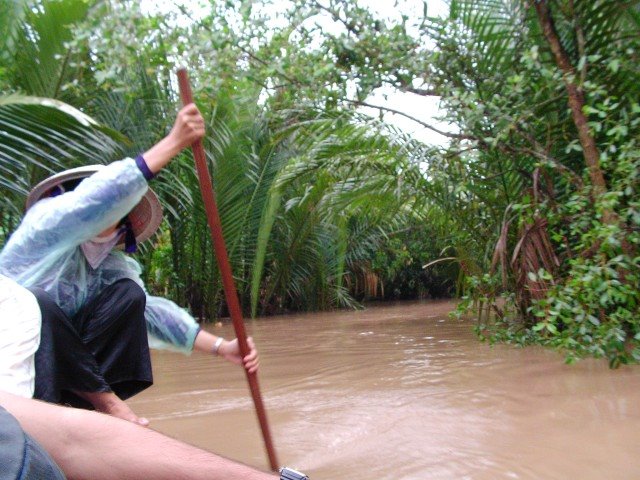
x=98, y=320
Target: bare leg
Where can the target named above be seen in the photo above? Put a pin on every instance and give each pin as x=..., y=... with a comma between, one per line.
x=109, y=402
x=100, y=447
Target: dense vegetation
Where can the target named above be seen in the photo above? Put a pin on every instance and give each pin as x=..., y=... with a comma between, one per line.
x=527, y=209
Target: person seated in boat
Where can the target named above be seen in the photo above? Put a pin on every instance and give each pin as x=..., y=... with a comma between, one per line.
x=44, y=441
x=97, y=318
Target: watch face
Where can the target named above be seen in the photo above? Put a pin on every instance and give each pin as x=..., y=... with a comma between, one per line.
x=291, y=474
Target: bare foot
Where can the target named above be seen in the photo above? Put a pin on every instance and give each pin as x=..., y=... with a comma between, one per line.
x=110, y=403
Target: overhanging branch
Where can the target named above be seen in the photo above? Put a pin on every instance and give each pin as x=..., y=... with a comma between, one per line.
x=457, y=136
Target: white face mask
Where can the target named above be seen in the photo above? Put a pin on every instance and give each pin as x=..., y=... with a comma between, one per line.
x=97, y=249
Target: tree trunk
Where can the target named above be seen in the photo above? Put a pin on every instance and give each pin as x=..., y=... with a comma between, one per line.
x=576, y=103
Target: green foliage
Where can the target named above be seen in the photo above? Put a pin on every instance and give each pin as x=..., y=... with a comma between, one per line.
x=39, y=136
x=38, y=57
x=595, y=312
x=530, y=217
x=401, y=265
x=588, y=304
x=342, y=193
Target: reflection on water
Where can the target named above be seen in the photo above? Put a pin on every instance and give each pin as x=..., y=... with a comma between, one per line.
x=403, y=393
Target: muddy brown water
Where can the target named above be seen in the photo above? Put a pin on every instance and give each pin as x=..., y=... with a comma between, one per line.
x=401, y=392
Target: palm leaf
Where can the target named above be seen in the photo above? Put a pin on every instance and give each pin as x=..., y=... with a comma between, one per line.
x=43, y=57
x=12, y=13
x=41, y=136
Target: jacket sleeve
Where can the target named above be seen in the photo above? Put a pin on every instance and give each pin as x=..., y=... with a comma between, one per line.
x=169, y=326
x=98, y=202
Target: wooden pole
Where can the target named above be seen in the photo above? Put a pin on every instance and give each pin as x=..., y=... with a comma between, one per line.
x=231, y=295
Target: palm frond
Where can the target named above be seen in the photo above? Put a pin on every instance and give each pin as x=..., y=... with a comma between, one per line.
x=40, y=136
x=11, y=16
x=43, y=56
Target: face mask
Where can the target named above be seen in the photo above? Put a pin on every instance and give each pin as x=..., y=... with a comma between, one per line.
x=97, y=249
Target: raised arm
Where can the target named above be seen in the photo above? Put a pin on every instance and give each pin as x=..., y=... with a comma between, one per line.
x=100, y=201
x=187, y=128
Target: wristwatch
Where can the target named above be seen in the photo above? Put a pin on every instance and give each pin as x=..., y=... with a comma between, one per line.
x=291, y=474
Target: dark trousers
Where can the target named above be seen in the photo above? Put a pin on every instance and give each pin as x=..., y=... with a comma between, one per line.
x=103, y=348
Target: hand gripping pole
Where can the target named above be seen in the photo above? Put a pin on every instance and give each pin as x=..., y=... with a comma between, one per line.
x=231, y=295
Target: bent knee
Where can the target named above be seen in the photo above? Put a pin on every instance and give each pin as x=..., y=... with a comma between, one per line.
x=128, y=290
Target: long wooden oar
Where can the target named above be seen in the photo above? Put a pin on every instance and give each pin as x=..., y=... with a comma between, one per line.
x=208, y=196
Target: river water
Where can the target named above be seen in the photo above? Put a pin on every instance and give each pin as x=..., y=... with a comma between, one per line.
x=401, y=392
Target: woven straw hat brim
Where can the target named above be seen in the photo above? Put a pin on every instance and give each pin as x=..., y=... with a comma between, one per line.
x=145, y=217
